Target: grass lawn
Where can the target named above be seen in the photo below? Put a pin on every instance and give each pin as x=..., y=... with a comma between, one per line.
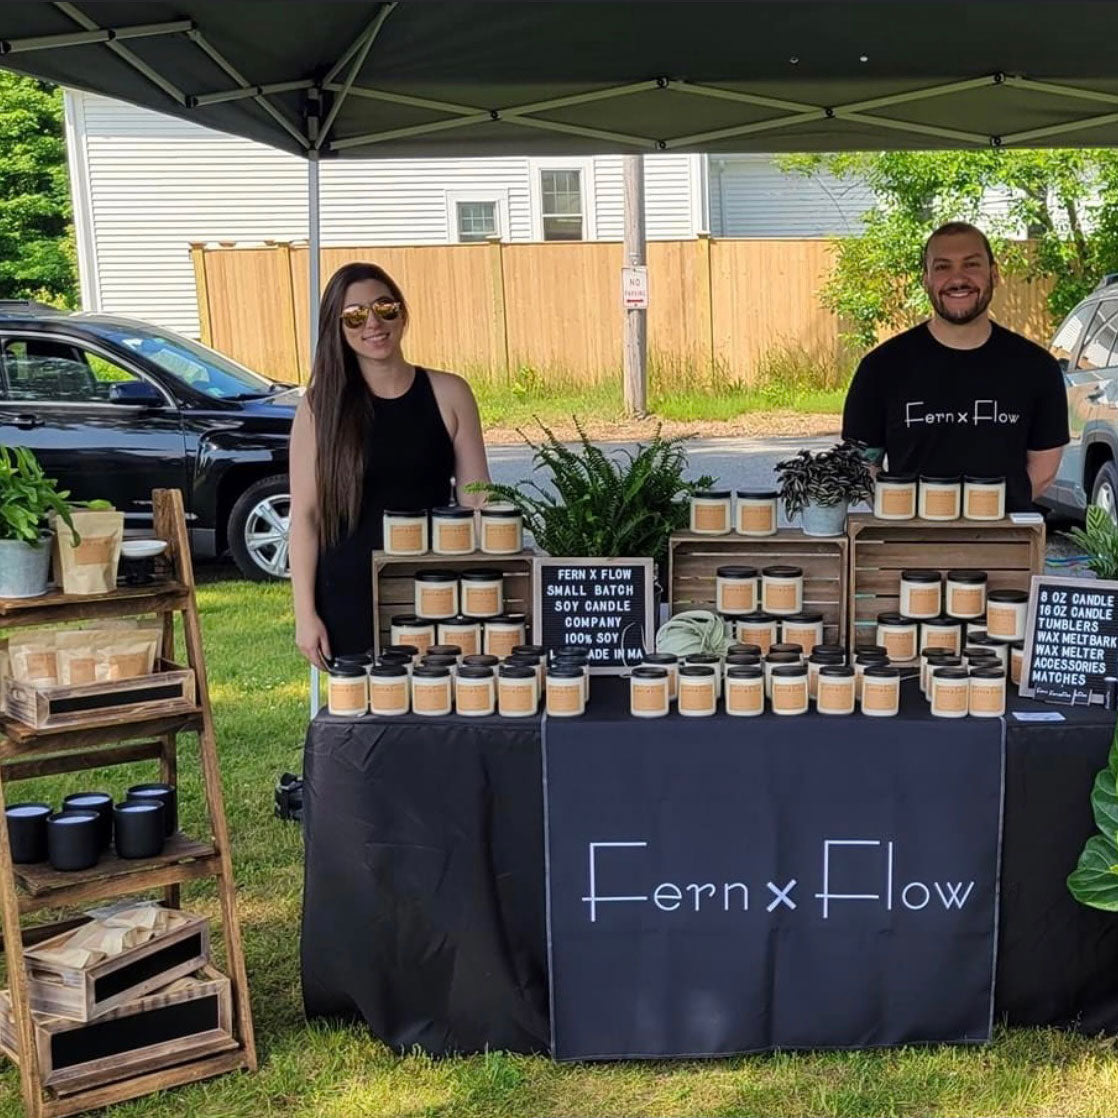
x=258, y=689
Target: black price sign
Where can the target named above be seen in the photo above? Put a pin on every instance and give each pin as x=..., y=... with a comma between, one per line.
x=602, y=605
x=1071, y=641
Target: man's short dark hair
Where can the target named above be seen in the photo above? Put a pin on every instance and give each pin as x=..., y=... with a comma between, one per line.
x=951, y=228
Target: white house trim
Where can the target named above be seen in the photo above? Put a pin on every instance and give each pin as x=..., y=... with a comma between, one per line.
x=586, y=182
x=498, y=195
x=88, y=278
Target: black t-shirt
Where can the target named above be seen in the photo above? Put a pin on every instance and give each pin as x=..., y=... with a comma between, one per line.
x=945, y=412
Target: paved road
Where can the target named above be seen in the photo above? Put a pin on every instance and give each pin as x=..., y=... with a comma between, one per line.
x=735, y=463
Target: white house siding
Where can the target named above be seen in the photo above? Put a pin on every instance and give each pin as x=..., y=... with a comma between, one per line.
x=751, y=197
x=146, y=185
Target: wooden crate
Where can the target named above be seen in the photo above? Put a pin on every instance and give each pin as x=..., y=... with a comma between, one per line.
x=881, y=549
x=83, y=994
x=693, y=559
x=191, y=1018
x=394, y=578
x=169, y=689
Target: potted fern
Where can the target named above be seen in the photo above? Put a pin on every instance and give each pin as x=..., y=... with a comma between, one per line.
x=599, y=504
x=27, y=499
x=821, y=486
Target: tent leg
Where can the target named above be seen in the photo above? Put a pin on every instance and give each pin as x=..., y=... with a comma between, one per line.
x=314, y=278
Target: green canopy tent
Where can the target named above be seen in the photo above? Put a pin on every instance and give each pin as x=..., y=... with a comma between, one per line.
x=344, y=79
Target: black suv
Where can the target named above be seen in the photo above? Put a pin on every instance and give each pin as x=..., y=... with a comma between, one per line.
x=115, y=408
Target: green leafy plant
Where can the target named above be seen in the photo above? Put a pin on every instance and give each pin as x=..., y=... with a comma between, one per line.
x=1099, y=539
x=603, y=505
x=826, y=478
x=28, y=497
x=1094, y=881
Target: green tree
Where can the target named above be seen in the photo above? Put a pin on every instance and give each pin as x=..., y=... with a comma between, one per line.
x=1067, y=200
x=36, y=238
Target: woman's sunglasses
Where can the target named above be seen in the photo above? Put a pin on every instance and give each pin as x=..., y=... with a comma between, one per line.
x=385, y=309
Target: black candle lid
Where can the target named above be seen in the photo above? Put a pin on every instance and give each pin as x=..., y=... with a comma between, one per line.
x=942, y=622
x=896, y=479
x=787, y=646
x=480, y=660
x=650, y=671
x=782, y=571
x=1007, y=596
x=804, y=617
x=517, y=671
x=661, y=658
x=967, y=576
x=711, y=495
x=535, y=649
x=454, y=650
x=924, y=478
x=507, y=619
x=745, y=671
x=388, y=671
x=413, y=513
x=500, y=510
x=894, y=618
x=401, y=650
x=413, y=619
x=702, y=670
x=436, y=574
x=974, y=480
x=736, y=572
x=473, y=671
x=481, y=574
x=701, y=658
x=742, y=659
x=840, y=671
x=757, y=617
x=561, y=671
x=882, y=671
x=758, y=494
x=921, y=575
x=829, y=648
x=453, y=512
x=754, y=649
x=950, y=673
x=783, y=658
x=789, y=671
x=431, y=671
x=985, y=672
x=870, y=649
x=827, y=658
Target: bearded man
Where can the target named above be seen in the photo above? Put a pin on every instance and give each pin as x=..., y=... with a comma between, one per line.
x=959, y=394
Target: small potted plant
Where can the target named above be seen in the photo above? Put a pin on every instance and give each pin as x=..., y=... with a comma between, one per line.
x=821, y=486
x=1099, y=540
x=27, y=499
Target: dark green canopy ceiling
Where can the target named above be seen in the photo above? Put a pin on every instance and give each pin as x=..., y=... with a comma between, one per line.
x=420, y=78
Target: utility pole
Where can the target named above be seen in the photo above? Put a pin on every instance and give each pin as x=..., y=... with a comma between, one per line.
x=635, y=276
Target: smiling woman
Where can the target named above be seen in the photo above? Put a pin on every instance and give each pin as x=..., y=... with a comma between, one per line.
x=373, y=433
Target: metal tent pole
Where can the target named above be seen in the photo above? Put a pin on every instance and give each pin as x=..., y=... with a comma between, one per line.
x=314, y=283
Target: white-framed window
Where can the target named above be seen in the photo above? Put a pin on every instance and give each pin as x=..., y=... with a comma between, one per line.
x=563, y=199
x=477, y=215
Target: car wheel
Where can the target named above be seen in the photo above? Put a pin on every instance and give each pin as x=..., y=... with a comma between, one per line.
x=258, y=529
x=1104, y=492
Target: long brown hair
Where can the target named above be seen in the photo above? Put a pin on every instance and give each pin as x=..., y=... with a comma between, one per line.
x=342, y=406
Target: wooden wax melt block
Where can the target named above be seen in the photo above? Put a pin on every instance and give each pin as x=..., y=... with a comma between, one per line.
x=191, y=1018
x=162, y=692
x=84, y=993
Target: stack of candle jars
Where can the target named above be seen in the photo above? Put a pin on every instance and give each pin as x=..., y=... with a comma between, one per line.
x=766, y=606
x=950, y=613
x=495, y=529
x=445, y=679
x=749, y=681
x=463, y=608
x=906, y=496
x=748, y=512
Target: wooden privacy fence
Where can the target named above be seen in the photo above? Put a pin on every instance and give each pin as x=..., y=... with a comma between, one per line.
x=494, y=308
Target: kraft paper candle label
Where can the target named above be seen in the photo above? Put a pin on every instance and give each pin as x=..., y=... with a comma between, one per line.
x=779, y=597
x=471, y=700
x=564, y=700
x=502, y=644
x=878, y=696
x=437, y=599
x=898, y=502
x=431, y=697
x=967, y=600
x=516, y=700
x=709, y=518
x=456, y=537
x=501, y=535
x=389, y=696
x=482, y=601
x=93, y=550
x=739, y=597
x=924, y=600
x=346, y=693
x=755, y=518
x=741, y=699
x=984, y=502
x=950, y=699
x=406, y=537
x=696, y=696
x=941, y=502
x=836, y=696
x=649, y=696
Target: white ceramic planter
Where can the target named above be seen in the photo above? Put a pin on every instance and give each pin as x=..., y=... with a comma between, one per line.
x=24, y=570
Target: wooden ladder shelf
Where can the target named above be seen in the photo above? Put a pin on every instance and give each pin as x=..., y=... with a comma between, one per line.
x=26, y=753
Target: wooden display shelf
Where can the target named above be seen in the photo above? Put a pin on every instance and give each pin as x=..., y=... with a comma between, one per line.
x=394, y=578
x=125, y=601
x=881, y=549
x=17, y=739
x=693, y=560
x=110, y=739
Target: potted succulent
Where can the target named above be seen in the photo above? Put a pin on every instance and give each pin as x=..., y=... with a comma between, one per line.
x=821, y=486
x=27, y=499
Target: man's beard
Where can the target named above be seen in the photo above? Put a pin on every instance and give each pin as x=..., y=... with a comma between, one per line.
x=961, y=318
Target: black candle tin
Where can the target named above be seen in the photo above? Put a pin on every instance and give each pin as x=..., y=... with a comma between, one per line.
x=99, y=802
x=166, y=795
x=74, y=839
x=27, y=832
x=139, y=828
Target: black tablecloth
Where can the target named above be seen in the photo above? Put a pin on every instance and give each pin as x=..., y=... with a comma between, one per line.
x=424, y=899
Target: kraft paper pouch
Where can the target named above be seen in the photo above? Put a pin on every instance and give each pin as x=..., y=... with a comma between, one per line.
x=88, y=567
x=77, y=665
x=120, y=928
x=34, y=659
x=125, y=659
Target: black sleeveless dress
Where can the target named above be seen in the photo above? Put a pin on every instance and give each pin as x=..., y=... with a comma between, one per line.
x=409, y=461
